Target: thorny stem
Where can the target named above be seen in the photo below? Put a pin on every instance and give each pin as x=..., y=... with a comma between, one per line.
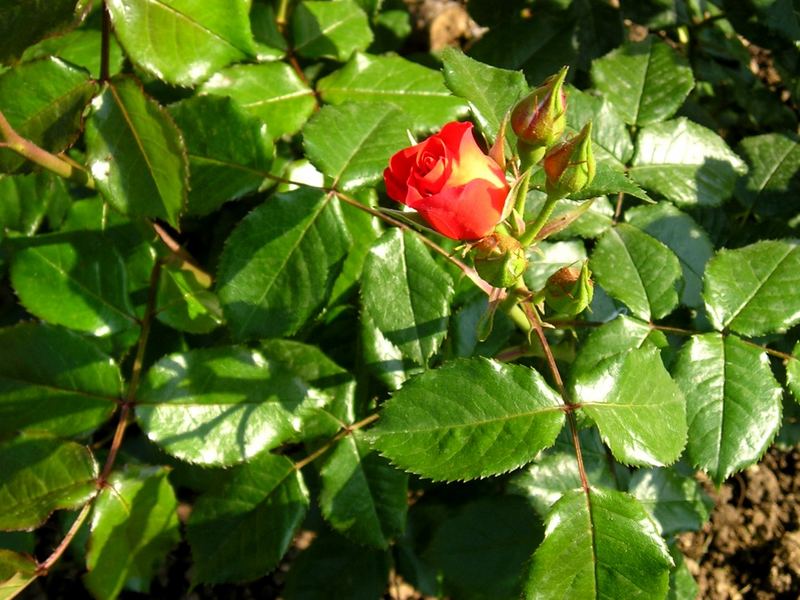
x=43, y=567
x=331, y=442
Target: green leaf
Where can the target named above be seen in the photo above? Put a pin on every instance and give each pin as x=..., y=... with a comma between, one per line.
x=637, y=270
x=483, y=549
x=134, y=524
x=386, y=361
x=43, y=102
x=645, y=81
x=352, y=143
x=40, y=475
x=322, y=29
x=136, y=153
x=27, y=201
x=676, y=502
x=754, y=290
x=612, y=142
x=24, y=22
x=612, y=339
x=279, y=264
x=73, y=392
x=639, y=410
x=793, y=373
x=548, y=257
x=73, y=279
x=418, y=91
x=183, y=303
x=406, y=295
x=593, y=221
x=608, y=180
x=79, y=47
x=469, y=418
x=490, y=92
x=241, y=530
x=221, y=406
x=230, y=151
x=681, y=234
x=17, y=571
x=362, y=496
x=682, y=585
x=603, y=546
x=335, y=568
x=733, y=403
x=273, y=92
x=686, y=163
x=772, y=181
x=182, y=41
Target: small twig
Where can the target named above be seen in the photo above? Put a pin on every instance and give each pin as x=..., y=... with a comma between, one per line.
x=183, y=259
x=330, y=443
x=43, y=567
x=618, y=209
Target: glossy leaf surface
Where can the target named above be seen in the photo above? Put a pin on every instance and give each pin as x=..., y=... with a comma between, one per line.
x=676, y=502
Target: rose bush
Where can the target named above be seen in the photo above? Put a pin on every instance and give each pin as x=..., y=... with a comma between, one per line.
x=458, y=190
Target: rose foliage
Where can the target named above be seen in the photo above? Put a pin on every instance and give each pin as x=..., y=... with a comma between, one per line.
x=297, y=303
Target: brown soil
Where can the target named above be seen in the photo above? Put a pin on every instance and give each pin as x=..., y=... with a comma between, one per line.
x=751, y=547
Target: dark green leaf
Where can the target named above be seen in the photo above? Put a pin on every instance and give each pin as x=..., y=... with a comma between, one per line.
x=185, y=304
x=546, y=258
x=676, y=502
x=273, y=92
x=793, y=373
x=179, y=41
x=606, y=546
x=16, y=572
x=43, y=102
x=362, y=496
x=682, y=585
x=755, y=289
x=352, y=143
x=329, y=29
x=279, y=264
x=406, y=295
x=482, y=550
x=465, y=324
x=637, y=270
x=612, y=142
x=79, y=47
x=241, y=530
x=419, y=91
x=27, y=201
x=24, y=22
x=686, y=163
x=269, y=43
x=220, y=406
x=134, y=524
x=490, y=92
x=772, y=183
x=136, y=153
x=40, y=475
x=681, y=234
x=645, y=81
x=733, y=403
x=72, y=392
x=469, y=418
x=640, y=412
x=230, y=151
x=385, y=360
x=73, y=279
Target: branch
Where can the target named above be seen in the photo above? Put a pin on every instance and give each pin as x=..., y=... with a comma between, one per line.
x=331, y=442
x=43, y=567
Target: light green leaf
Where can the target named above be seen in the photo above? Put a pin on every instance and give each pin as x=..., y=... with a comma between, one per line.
x=469, y=418
x=406, y=295
x=73, y=279
x=352, y=143
x=273, y=92
x=612, y=142
x=681, y=234
x=733, y=403
x=756, y=289
x=230, y=151
x=637, y=270
x=676, y=502
x=73, y=392
x=134, y=524
x=608, y=181
x=24, y=22
x=185, y=304
x=686, y=163
x=182, y=41
x=221, y=406
x=772, y=181
x=322, y=29
x=490, y=92
x=546, y=258
x=241, y=530
x=136, y=153
x=640, y=412
x=362, y=496
x=17, y=571
x=793, y=373
x=43, y=102
x=645, y=81
x=418, y=91
x=606, y=546
x=40, y=475
x=279, y=264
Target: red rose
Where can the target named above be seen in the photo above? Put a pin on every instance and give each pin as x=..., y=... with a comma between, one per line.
x=447, y=179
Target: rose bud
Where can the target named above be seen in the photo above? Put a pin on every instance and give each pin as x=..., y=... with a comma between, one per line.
x=570, y=166
x=450, y=182
x=540, y=117
x=569, y=290
x=500, y=260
